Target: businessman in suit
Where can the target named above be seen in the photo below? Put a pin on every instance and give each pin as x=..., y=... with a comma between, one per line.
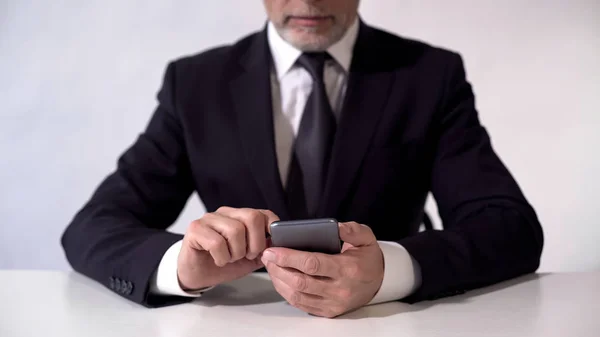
x=317, y=115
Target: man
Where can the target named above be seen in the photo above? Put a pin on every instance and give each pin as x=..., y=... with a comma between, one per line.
x=318, y=115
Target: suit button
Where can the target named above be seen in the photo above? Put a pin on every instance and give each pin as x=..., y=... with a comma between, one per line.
x=123, y=287
x=111, y=282
x=129, y=288
x=118, y=285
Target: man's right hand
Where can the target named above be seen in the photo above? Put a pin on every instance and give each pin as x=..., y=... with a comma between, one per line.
x=223, y=246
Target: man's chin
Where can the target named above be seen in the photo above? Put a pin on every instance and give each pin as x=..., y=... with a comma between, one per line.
x=308, y=41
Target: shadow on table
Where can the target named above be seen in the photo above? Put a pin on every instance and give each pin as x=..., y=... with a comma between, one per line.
x=258, y=289
x=251, y=290
x=393, y=308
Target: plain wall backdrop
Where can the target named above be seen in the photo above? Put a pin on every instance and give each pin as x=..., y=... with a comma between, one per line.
x=78, y=81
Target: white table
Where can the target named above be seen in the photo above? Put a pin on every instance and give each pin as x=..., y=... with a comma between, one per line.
x=41, y=303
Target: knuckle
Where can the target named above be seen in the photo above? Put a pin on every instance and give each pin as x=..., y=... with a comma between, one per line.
x=311, y=264
x=355, y=226
x=281, y=260
x=223, y=209
x=270, y=215
x=208, y=217
x=254, y=217
x=195, y=225
x=254, y=221
x=295, y=298
x=234, y=230
x=300, y=283
x=215, y=243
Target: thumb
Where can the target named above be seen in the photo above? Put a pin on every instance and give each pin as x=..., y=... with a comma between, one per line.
x=356, y=234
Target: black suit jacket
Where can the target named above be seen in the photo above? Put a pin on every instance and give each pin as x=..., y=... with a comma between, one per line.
x=408, y=126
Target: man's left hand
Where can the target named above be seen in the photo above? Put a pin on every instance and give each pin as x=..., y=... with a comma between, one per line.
x=329, y=285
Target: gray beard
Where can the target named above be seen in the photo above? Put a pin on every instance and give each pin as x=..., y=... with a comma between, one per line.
x=317, y=44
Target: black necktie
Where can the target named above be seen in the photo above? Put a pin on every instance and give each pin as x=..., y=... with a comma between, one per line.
x=312, y=148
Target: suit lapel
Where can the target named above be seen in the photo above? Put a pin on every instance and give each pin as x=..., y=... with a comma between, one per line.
x=251, y=97
x=369, y=86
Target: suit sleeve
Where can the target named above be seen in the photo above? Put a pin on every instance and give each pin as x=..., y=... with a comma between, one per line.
x=491, y=233
x=119, y=236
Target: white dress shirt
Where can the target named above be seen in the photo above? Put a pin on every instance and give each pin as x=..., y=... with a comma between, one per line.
x=291, y=85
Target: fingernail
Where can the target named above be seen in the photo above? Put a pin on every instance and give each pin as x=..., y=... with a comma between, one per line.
x=268, y=256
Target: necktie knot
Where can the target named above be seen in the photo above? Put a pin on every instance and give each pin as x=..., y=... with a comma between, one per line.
x=314, y=63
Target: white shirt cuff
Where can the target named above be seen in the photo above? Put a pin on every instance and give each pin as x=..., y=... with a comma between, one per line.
x=165, y=280
x=401, y=276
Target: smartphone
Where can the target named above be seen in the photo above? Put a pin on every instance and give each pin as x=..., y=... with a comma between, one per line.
x=315, y=235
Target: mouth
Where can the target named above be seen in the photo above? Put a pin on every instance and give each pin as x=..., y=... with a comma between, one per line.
x=308, y=21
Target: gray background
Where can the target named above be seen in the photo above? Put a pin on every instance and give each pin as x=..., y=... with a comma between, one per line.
x=79, y=79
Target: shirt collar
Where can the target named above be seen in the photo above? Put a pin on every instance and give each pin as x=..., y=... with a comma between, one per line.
x=285, y=55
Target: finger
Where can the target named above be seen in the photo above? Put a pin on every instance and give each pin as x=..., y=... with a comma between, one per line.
x=212, y=275
x=269, y=242
x=327, y=311
x=234, y=271
x=308, y=309
x=205, y=238
x=255, y=222
x=297, y=298
x=316, y=264
x=301, y=282
x=232, y=230
x=255, y=236
x=314, y=311
x=356, y=234
x=271, y=217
